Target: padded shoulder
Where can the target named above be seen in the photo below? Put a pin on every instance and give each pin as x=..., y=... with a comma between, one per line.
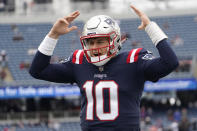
x=77, y=57
x=133, y=55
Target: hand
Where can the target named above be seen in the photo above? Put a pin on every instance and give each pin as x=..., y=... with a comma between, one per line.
x=144, y=18
x=61, y=26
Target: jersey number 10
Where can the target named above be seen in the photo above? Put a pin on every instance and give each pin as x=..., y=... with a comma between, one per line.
x=98, y=100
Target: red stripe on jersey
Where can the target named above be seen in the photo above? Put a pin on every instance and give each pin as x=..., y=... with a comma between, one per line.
x=74, y=56
x=81, y=57
x=128, y=58
x=137, y=54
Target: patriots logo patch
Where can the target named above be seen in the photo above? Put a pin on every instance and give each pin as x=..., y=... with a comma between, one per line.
x=148, y=57
x=109, y=21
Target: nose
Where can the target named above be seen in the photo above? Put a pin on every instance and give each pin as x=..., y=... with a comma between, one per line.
x=95, y=50
x=94, y=45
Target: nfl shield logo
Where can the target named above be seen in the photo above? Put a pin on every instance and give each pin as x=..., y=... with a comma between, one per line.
x=101, y=68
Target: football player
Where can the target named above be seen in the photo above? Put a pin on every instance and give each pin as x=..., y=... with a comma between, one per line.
x=111, y=83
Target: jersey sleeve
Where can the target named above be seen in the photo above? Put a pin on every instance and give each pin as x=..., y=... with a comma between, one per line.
x=156, y=68
x=42, y=69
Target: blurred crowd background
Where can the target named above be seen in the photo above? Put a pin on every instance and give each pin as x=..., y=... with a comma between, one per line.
x=35, y=105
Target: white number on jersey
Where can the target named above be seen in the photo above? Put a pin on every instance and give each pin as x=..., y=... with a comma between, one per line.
x=99, y=101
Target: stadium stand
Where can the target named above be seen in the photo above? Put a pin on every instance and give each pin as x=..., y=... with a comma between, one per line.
x=34, y=33
x=164, y=119
x=21, y=41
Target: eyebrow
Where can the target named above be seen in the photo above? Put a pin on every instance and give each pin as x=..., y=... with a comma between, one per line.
x=98, y=39
x=101, y=39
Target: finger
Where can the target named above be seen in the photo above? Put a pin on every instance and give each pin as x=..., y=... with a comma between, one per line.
x=71, y=18
x=73, y=14
x=64, y=21
x=72, y=28
x=76, y=13
x=137, y=11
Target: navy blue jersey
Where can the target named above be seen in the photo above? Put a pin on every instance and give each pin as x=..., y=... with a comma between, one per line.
x=111, y=93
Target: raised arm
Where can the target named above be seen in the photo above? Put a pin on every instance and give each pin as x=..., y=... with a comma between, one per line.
x=41, y=67
x=155, y=68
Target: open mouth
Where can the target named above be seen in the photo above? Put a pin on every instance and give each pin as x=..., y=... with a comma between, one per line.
x=96, y=54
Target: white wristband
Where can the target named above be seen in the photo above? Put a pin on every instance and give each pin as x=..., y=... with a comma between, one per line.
x=47, y=46
x=155, y=33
